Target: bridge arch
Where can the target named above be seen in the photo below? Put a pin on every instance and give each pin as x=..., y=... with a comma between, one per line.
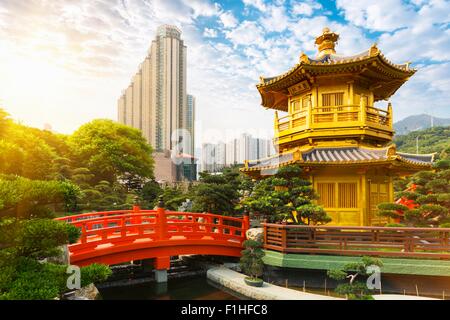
x=119, y=236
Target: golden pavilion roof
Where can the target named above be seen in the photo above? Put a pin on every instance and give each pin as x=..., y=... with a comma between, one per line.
x=371, y=66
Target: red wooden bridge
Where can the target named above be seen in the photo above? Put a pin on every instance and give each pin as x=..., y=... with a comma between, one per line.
x=120, y=236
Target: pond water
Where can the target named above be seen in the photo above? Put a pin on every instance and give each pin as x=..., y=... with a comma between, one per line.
x=194, y=288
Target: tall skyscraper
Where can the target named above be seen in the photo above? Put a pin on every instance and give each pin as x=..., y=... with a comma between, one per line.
x=156, y=101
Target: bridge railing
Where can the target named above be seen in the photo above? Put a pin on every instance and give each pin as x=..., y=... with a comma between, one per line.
x=92, y=215
x=433, y=243
x=155, y=225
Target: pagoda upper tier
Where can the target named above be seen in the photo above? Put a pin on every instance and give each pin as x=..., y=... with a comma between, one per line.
x=331, y=96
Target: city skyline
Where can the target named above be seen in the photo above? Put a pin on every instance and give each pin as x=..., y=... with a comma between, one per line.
x=216, y=156
x=72, y=67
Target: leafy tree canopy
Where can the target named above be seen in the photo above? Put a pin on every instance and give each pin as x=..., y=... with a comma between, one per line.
x=112, y=151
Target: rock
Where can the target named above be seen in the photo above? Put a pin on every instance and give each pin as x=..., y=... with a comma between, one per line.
x=89, y=292
x=62, y=258
x=255, y=234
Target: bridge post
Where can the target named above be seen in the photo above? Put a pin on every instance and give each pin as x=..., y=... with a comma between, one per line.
x=162, y=264
x=161, y=219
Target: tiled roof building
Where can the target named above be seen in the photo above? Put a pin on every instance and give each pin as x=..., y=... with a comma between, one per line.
x=332, y=129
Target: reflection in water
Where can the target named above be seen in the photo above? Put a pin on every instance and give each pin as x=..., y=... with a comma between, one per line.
x=197, y=288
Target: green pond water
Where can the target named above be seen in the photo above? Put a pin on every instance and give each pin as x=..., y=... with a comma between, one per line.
x=196, y=288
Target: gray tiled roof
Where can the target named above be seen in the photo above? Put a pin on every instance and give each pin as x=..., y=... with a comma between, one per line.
x=272, y=161
x=343, y=155
x=340, y=155
x=417, y=158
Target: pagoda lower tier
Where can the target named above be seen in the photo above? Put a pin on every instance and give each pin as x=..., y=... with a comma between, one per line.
x=350, y=181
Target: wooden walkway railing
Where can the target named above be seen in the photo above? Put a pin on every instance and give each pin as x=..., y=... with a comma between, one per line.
x=433, y=243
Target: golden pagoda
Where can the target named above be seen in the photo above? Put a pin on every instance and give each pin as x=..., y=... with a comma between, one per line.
x=333, y=130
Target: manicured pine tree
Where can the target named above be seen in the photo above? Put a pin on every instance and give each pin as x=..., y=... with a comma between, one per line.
x=251, y=261
x=286, y=196
x=355, y=289
x=426, y=200
x=218, y=193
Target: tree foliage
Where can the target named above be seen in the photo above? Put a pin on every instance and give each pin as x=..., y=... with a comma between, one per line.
x=150, y=193
x=436, y=139
x=426, y=200
x=354, y=290
x=102, y=166
x=112, y=152
x=218, y=193
x=25, y=246
x=26, y=198
x=286, y=196
x=251, y=260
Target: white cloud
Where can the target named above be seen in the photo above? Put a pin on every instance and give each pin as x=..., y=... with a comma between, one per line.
x=305, y=8
x=426, y=92
x=202, y=7
x=228, y=20
x=248, y=32
x=275, y=19
x=210, y=33
x=258, y=4
x=387, y=15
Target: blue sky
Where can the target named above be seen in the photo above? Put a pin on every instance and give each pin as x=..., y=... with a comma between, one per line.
x=66, y=62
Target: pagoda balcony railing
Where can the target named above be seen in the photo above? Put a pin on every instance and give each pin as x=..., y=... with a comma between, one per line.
x=337, y=116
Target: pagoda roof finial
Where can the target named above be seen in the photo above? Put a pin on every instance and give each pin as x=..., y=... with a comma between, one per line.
x=373, y=51
x=327, y=42
x=304, y=58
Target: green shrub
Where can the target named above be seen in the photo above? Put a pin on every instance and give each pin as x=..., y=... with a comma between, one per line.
x=39, y=238
x=94, y=273
x=395, y=225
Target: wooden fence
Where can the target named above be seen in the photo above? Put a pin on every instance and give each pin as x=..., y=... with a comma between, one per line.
x=433, y=243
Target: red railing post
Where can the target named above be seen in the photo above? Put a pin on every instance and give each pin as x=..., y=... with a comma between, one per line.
x=161, y=219
x=83, y=233
x=136, y=210
x=135, y=220
x=245, y=224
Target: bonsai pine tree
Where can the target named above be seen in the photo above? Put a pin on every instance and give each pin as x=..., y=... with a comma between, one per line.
x=426, y=201
x=251, y=260
x=286, y=196
x=354, y=290
x=218, y=193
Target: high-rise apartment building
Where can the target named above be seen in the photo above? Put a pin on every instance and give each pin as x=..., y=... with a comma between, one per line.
x=156, y=101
